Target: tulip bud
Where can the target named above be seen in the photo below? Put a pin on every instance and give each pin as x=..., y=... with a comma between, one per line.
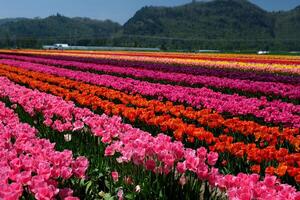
x=137, y=189
x=68, y=137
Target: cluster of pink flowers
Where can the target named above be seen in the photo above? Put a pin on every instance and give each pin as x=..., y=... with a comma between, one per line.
x=245, y=187
x=32, y=164
x=158, y=154
x=273, y=88
x=271, y=111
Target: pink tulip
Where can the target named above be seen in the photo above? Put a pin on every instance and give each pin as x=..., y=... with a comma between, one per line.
x=30, y=162
x=120, y=194
x=212, y=158
x=80, y=166
x=65, y=192
x=150, y=165
x=115, y=176
x=182, y=180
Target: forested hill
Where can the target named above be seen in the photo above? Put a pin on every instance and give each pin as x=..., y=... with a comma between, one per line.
x=6, y=20
x=56, y=28
x=220, y=19
x=237, y=22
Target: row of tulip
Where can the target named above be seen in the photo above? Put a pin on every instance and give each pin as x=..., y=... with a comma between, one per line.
x=270, y=111
x=285, y=160
x=264, y=88
x=141, y=148
x=30, y=165
x=67, y=118
x=250, y=58
x=232, y=65
x=233, y=74
x=288, y=60
x=205, y=117
x=186, y=61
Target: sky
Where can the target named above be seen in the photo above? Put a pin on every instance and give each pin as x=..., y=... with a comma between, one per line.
x=116, y=10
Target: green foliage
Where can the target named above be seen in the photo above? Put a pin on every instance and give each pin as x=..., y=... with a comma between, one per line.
x=54, y=29
x=213, y=20
x=219, y=24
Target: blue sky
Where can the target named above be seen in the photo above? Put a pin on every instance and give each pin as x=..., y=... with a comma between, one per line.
x=116, y=10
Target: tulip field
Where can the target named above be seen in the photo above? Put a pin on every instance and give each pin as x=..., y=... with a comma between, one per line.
x=144, y=125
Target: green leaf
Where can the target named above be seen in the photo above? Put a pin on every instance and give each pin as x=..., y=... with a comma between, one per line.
x=100, y=175
x=108, y=196
x=129, y=196
x=81, y=182
x=88, y=185
x=161, y=194
x=107, y=184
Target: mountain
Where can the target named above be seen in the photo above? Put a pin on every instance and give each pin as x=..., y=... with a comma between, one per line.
x=6, y=20
x=219, y=19
x=57, y=28
x=288, y=24
x=220, y=24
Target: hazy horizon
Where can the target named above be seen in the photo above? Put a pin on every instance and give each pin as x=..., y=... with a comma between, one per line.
x=115, y=10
